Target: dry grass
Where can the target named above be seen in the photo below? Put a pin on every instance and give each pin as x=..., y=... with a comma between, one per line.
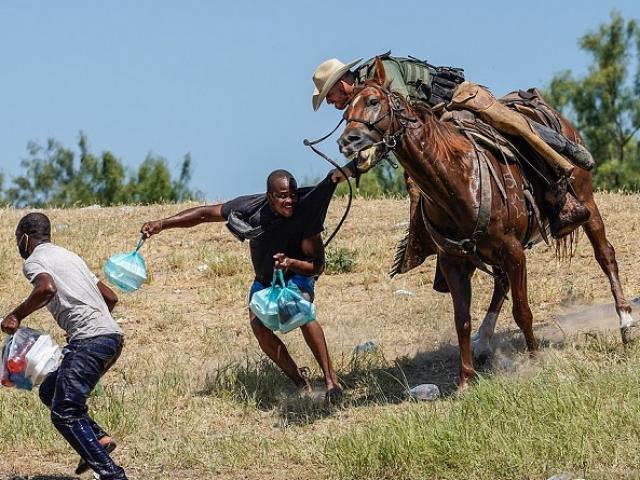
x=191, y=396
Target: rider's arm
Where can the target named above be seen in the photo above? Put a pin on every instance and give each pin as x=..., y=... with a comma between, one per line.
x=313, y=249
x=44, y=289
x=185, y=219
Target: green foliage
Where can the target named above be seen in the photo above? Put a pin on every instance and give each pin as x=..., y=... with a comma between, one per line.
x=382, y=181
x=605, y=103
x=54, y=178
x=340, y=260
x=575, y=415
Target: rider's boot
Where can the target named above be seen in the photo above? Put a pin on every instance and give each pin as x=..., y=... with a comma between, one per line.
x=567, y=213
x=575, y=152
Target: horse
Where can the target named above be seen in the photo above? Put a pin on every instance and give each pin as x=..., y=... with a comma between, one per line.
x=470, y=227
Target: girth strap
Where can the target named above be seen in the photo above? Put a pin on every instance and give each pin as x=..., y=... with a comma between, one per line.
x=467, y=246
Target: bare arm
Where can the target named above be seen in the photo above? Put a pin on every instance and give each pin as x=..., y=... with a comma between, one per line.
x=44, y=289
x=110, y=297
x=185, y=219
x=313, y=248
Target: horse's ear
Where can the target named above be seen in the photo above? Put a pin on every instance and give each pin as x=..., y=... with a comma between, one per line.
x=381, y=76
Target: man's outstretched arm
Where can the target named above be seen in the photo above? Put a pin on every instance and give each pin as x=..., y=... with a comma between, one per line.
x=44, y=289
x=185, y=219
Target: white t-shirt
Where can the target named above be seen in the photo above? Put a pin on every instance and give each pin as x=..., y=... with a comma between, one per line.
x=78, y=306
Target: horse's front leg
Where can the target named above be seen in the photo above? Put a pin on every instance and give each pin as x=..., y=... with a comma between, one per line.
x=458, y=272
x=606, y=257
x=515, y=266
x=482, y=340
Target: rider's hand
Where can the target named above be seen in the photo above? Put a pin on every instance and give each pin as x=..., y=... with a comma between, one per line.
x=337, y=176
x=10, y=324
x=282, y=261
x=151, y=228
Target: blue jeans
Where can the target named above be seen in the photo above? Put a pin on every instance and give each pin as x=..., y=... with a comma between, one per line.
x=305, y=284
x=66, y=390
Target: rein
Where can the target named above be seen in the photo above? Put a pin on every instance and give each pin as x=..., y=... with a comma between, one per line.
x=311, y=145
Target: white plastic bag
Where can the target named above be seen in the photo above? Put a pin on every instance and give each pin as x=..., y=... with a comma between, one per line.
x=28, y=357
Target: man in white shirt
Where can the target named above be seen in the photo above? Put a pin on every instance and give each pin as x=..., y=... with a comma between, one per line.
x=81, y=304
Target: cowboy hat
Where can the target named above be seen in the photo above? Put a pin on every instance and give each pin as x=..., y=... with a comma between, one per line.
x=326, y=76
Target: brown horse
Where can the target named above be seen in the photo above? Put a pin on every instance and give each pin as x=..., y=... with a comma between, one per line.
x=470, y=227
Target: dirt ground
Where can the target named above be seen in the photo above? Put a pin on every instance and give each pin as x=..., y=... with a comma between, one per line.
x=191, y=318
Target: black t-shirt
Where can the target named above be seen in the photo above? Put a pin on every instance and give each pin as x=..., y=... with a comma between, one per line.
x=281, y=235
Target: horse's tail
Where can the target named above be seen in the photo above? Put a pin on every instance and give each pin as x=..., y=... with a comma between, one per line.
x=566, y=246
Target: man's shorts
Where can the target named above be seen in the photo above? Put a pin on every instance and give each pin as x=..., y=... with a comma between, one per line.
x=305, y=284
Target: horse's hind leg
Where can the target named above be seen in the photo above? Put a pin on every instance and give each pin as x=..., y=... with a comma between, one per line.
x=482, y=340
x=606, y=257
x=515, y=266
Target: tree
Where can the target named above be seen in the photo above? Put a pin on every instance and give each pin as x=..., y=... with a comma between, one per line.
x=605, y=103
x=382, y=181
x=52, y=178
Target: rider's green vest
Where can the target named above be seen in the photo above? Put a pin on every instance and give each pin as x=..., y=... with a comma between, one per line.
x=424, y=82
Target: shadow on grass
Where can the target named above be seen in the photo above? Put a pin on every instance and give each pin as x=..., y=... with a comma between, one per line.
x=369, y=379
x=43, y=477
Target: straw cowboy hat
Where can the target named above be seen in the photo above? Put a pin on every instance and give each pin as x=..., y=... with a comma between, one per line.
x=326, y=76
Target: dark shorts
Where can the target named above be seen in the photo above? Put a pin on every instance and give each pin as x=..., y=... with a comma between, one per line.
x=305, y=284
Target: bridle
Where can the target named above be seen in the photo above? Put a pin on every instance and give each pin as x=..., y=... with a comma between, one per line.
x=395, y=110
x=389, y=140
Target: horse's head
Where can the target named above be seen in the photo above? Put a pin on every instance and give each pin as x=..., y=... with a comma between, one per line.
x=371, y=124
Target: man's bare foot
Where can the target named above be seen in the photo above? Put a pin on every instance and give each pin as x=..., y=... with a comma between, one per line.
x=334, y=394
x=108, y=444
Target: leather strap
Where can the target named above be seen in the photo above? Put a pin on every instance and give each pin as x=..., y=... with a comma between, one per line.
x=467, y=246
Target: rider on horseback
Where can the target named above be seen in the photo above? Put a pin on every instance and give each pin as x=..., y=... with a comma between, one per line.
x=444, y=89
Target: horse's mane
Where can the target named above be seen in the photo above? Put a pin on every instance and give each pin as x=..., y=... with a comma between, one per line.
x=445, y=141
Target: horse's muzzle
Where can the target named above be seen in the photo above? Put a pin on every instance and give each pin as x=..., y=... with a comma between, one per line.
x=354, y=140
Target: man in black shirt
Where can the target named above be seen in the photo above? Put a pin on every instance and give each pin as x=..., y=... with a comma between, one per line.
x=284, y=228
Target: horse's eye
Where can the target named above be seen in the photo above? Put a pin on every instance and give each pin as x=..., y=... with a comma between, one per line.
x=373, y=102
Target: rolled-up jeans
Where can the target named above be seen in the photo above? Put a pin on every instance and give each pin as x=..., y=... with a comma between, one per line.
x=66, y=390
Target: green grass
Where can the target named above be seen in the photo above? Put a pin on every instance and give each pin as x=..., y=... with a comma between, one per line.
x=578, y=415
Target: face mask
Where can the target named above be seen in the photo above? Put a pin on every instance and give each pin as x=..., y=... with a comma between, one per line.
x=24, y=252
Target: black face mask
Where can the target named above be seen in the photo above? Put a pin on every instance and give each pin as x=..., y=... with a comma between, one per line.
x=24, y=252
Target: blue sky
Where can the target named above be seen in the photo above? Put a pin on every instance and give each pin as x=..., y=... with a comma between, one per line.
x=230, y=82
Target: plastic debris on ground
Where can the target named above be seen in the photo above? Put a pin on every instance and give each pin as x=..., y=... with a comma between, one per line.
x=425, y=391
x=401, y=292
x=366, y=347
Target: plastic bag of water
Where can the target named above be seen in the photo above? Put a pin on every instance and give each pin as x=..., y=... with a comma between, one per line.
x=281, y=307
x=28, y=357
x=127, y=271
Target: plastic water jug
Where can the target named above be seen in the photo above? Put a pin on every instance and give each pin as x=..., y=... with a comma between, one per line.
x=127, y=271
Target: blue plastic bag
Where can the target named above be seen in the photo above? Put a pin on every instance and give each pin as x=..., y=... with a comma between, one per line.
x=282, y=307
x=127, y=271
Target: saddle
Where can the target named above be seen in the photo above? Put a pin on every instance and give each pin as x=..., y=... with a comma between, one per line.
x=417, y=245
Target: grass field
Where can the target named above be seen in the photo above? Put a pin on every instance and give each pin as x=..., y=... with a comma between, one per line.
x=193, y=398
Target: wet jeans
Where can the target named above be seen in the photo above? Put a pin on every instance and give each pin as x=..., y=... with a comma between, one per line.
x=66, y=390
